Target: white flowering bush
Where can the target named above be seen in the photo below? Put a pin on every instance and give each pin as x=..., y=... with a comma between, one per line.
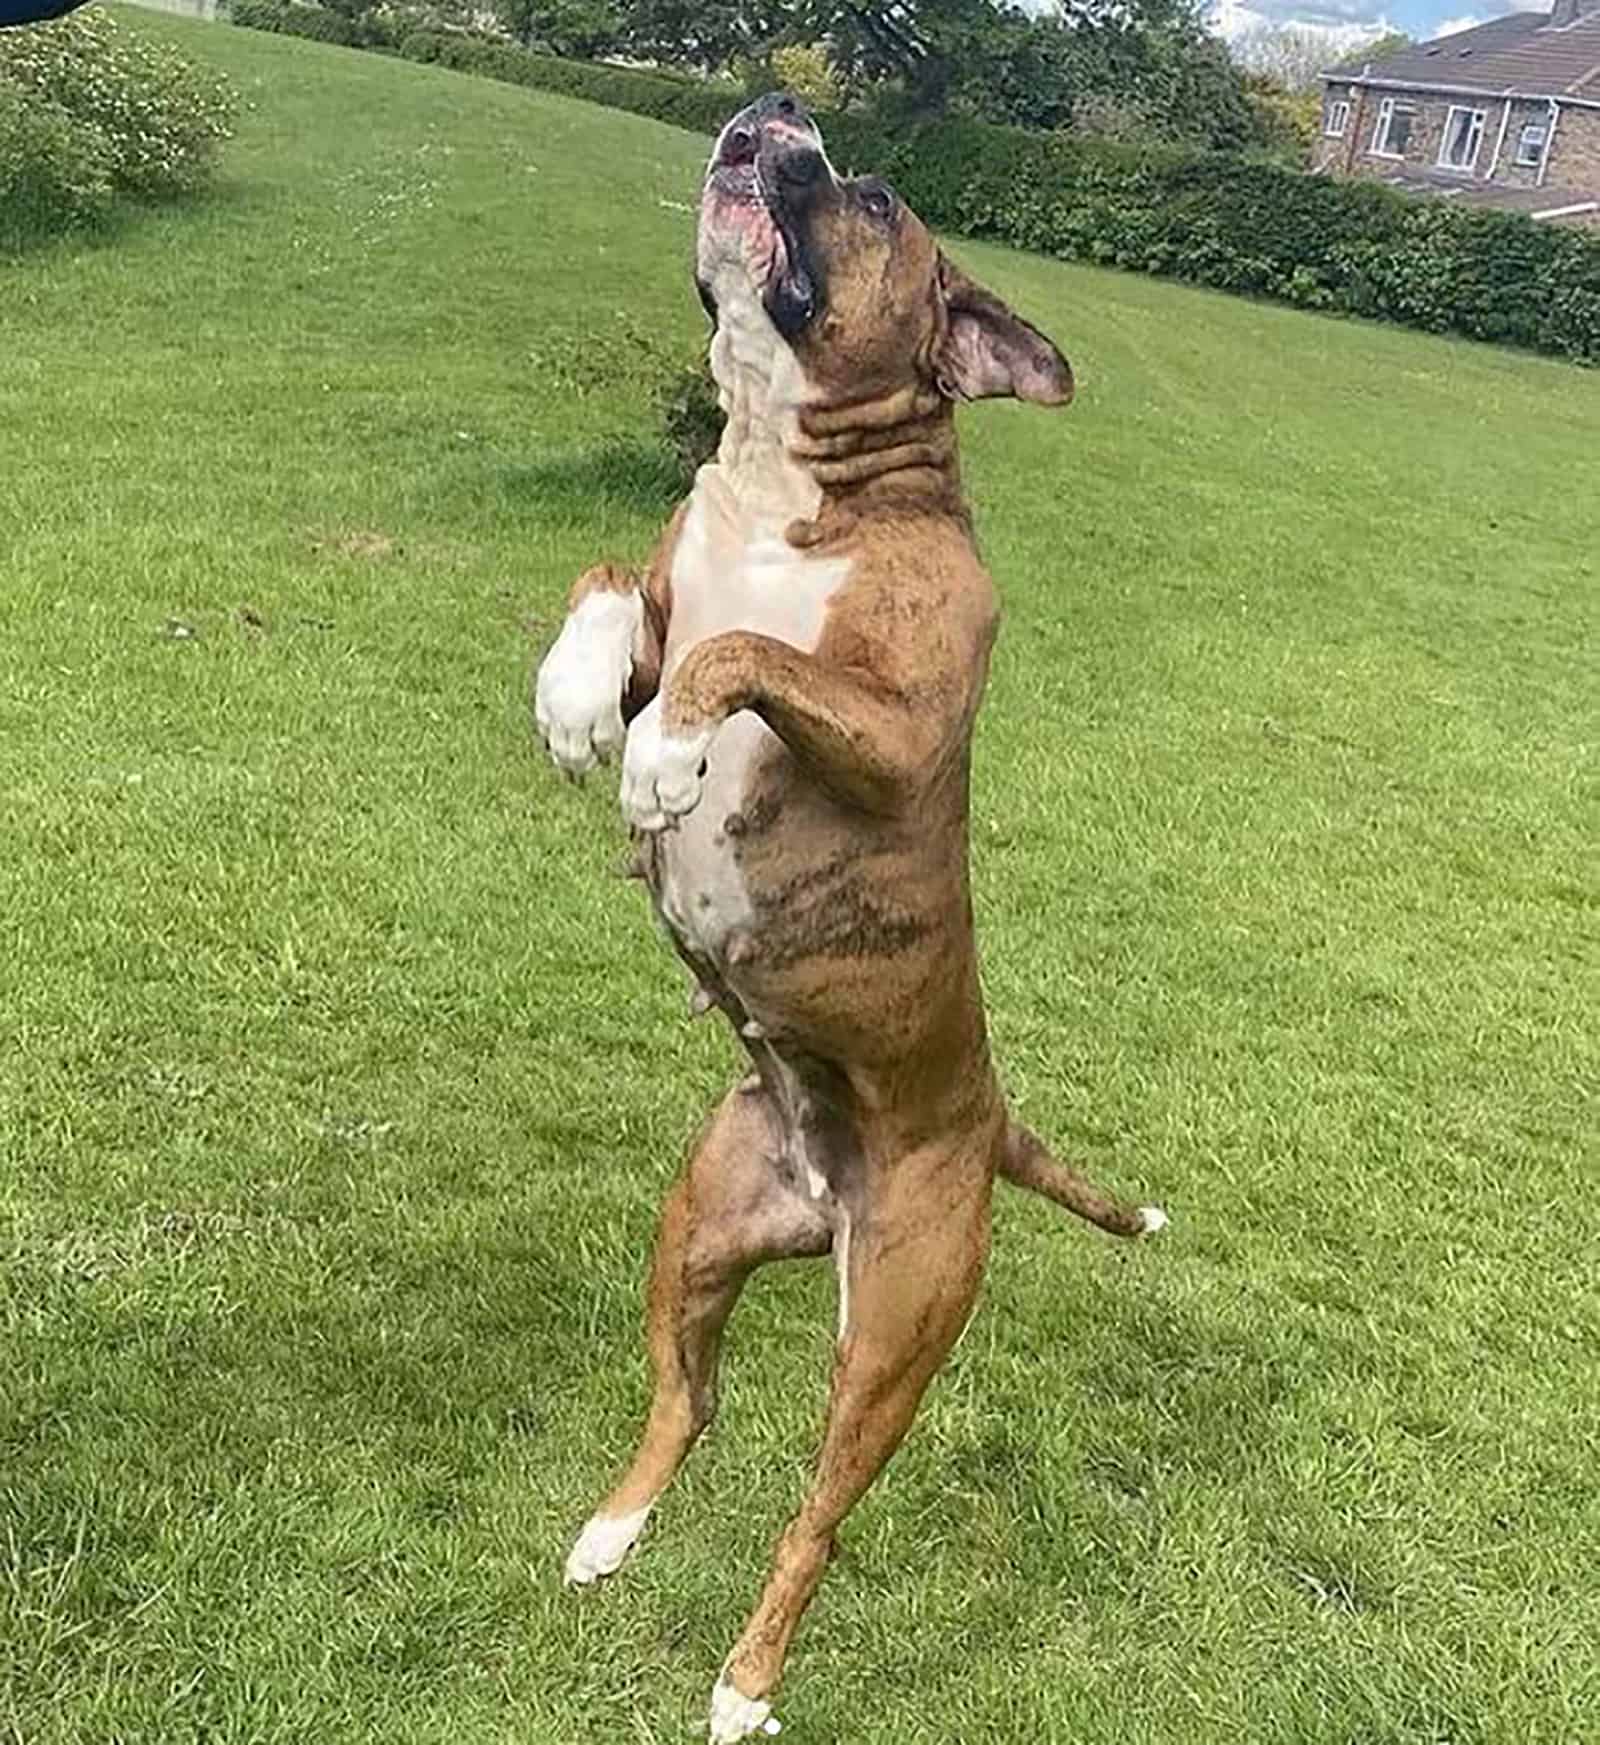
x=150, y=117
x=53, y=173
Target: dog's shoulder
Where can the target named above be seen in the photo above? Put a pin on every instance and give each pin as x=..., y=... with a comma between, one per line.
x=915, y=590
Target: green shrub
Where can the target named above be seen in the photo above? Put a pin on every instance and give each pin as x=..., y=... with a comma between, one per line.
x=691, y=418
x=158, y=119
x=805, y=69
x=54, y=173
x=1290, y=121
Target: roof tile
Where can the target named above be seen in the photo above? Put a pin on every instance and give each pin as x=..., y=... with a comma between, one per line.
x=1521, y=52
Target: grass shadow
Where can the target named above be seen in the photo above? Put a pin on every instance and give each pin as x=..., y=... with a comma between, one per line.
x=616, y=474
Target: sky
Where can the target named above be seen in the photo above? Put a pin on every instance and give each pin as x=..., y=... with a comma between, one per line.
x=1350, y=21
x=1347, y=23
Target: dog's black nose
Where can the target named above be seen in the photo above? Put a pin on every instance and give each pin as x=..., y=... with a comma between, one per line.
x=780, y=106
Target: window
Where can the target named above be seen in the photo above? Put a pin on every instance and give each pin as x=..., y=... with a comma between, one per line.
x=1463, y=134
x=1393, y=132
x=1338, y=120
x=1530, y=144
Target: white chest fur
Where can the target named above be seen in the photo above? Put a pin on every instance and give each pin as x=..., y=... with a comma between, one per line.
x=734, y=569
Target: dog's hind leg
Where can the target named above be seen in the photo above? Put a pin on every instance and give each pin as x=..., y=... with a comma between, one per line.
x=1025, y=1161
x=916, y=1255
x=734, y=1206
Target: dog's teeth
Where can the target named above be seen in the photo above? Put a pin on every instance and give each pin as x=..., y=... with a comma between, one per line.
x=753, y=1031
x=700, y=1002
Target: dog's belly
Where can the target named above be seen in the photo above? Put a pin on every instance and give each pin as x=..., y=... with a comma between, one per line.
x=734, y=570
x=699, y=889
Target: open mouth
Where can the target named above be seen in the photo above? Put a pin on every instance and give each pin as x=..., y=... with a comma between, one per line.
x=766, y=183
x=767, y=170
x=740, y=225
x=734, y=183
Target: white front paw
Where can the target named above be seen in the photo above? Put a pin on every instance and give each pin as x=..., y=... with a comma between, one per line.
x=577, y=700
x=662, y=773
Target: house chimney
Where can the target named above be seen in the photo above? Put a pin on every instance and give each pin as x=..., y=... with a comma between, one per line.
x=1565, y=12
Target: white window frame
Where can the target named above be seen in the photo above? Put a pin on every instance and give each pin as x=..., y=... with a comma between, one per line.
x=1387, y=110
x=1479, y=120
x=1540, y=127
x=1338, y=119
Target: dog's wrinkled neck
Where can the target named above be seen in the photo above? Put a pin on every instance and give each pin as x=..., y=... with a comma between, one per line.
x=900, y=444
x=788, y=454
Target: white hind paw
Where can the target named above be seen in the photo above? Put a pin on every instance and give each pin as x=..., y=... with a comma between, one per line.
x=735, y=1716
x=602, y=1545
x=1152, y=1219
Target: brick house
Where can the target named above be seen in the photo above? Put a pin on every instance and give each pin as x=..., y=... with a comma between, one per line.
x=1507, y=115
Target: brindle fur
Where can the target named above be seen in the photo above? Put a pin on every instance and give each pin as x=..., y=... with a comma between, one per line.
x=875, y=1124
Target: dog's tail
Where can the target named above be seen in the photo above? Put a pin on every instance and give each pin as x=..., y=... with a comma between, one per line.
x=1025, y=1162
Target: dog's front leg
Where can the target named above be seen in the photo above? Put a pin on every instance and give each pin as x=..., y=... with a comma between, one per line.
x=605, y=666
x=859, y=737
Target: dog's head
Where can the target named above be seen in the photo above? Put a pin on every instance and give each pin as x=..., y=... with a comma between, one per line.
x=851, y=279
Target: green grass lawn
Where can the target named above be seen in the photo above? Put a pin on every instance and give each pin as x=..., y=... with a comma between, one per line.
x=340, y=1077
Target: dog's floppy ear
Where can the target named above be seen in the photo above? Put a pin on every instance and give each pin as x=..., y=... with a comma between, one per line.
x=989, y=350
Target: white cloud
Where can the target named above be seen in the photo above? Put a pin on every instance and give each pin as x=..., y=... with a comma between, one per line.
x=1348, y=23
x=1342, y=24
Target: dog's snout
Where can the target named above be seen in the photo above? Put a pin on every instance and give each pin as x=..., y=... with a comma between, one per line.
x=781, y=107
x=778, y=123
x=799, y=168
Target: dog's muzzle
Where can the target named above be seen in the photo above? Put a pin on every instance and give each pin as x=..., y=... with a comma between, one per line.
x=767, y=171
x=769, y=149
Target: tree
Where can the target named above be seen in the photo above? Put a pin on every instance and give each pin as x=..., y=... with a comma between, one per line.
x=917, y=48
x=1390, y=43
x=1291, y=121
x=1122, y=66
x=1088, y=59
x=1289, y=55
x=707, y=34
x=1187, y=82
x=579, y=29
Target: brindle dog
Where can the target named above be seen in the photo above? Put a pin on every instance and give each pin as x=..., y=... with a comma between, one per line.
x=799, y=667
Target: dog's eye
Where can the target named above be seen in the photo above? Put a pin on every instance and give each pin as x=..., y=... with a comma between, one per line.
x=878, y=200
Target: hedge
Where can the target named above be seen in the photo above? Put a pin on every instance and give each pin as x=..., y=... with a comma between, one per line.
x=1211, y=219
x=319, y=23
x=1254, y=228
x=689, y=104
